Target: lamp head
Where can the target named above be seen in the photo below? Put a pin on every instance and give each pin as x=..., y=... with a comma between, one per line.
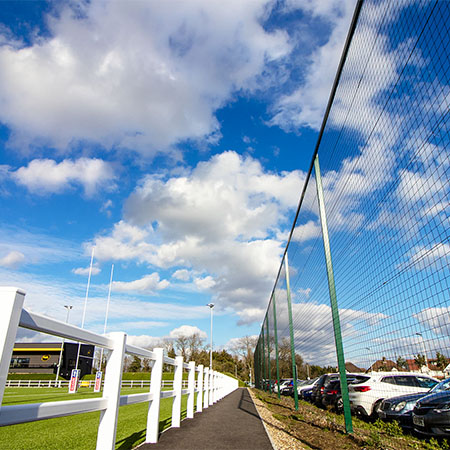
x=211, y=305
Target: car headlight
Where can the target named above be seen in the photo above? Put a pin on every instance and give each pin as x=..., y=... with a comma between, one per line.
x=398, y=407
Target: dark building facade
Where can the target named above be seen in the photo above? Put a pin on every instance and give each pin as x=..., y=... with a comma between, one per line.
x=44, y=358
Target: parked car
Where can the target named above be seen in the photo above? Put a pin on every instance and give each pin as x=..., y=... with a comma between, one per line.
x=306, y=386
x=366, y=397
x=400, y=408
x=283, y=383
x=431, y=414
x=331, y=395
x=289, y=388
x=318, y=392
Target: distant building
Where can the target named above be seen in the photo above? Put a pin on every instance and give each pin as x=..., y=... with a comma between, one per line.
x=44, y=358
x=351, y=368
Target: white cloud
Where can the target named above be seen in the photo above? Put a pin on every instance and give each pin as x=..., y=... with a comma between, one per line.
x=182, y=274
x=307, y=231
x=171, y=65
x=149, y=283
x=45, y=176
x=204, y=283
x=218, y=220
x=186, y=331
x=12, y=260
x=85, y=270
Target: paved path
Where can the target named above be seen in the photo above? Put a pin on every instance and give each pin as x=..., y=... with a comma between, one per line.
x=230, y=424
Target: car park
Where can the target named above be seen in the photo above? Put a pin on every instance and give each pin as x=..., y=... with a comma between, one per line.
x=366, y=397
x=431, y=414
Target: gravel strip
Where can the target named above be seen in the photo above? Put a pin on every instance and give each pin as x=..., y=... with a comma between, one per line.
x=279, y=438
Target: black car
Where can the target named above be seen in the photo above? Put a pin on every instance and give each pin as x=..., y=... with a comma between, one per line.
x=331, y=395
x=317, y=391
x=400, y=408
x=431, y=415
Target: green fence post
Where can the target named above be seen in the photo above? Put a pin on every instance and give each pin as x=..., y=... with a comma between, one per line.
x=276, y=343
x=268, y=354
x=291, y=331
x=263, y=357
x=333, y=300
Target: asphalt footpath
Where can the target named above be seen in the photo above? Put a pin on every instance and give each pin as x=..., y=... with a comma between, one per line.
x=232, y=424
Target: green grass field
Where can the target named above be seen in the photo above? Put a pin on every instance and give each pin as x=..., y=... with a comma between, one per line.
x=77, y=432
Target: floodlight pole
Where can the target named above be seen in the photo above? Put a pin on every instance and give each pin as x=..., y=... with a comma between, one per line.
x=211, y=306
x=85, y=304
x=106, y=314
x=68, y=307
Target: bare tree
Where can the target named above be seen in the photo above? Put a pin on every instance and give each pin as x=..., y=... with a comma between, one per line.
x=195, y=344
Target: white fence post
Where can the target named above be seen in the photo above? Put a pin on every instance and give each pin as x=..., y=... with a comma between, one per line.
x=12, y=303
x=191, y=389
x=106, y=437
x=211, y=386
x=177, y=387
x=200, y=389
x=155, y=389
x=206, y=388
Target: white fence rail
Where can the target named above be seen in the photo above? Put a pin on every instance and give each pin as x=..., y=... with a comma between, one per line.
x=165, y=384
x=209, y=387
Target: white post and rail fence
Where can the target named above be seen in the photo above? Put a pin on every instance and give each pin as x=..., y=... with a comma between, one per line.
x=204, y=386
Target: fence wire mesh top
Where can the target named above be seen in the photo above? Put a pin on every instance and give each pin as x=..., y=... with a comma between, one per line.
x=384, y=161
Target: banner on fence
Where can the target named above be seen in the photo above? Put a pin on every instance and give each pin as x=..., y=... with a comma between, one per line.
x=74, y=377
x=98, y=381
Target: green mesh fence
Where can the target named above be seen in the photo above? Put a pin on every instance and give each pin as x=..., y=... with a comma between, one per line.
x=385, y=164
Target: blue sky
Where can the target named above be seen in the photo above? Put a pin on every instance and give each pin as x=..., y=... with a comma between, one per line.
x=174, y=138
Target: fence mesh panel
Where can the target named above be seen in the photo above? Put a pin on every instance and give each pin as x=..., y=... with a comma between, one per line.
x=384, y=157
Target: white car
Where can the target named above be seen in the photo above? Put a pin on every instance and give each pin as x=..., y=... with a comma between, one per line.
x=305, y=385
x=366, y=396
x=284, y=383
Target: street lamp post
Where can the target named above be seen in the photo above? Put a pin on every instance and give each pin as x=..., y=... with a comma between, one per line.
x=211, y=306
x=424, y=349
x=68, y=307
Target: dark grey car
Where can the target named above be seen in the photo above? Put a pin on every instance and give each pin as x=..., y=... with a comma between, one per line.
x=431, y=415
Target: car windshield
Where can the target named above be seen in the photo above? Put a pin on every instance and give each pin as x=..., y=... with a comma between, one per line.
x=442, y=386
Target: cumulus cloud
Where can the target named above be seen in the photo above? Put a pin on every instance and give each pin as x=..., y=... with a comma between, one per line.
x=45, y=176
x=186, y=331
x=12, y=260
x=182, y=274
x=220, y=219
x=171, y=65
x=148, y=283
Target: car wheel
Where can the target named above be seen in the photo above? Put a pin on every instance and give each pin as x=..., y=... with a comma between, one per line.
x=339, y=405
x=376, y=407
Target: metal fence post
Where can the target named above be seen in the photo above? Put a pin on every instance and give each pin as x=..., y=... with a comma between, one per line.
x=291, y=331
x=177, y=387
x=264, y=374
x=206, y=388
x=333, y=299
x=200, y=389
x=155, y=389
x=191, y=389
x=106, y=436
x=12, y=303
x=276, y=344
x=268, y=354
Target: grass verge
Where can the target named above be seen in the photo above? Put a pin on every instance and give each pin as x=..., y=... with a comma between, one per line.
x=77, y=432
